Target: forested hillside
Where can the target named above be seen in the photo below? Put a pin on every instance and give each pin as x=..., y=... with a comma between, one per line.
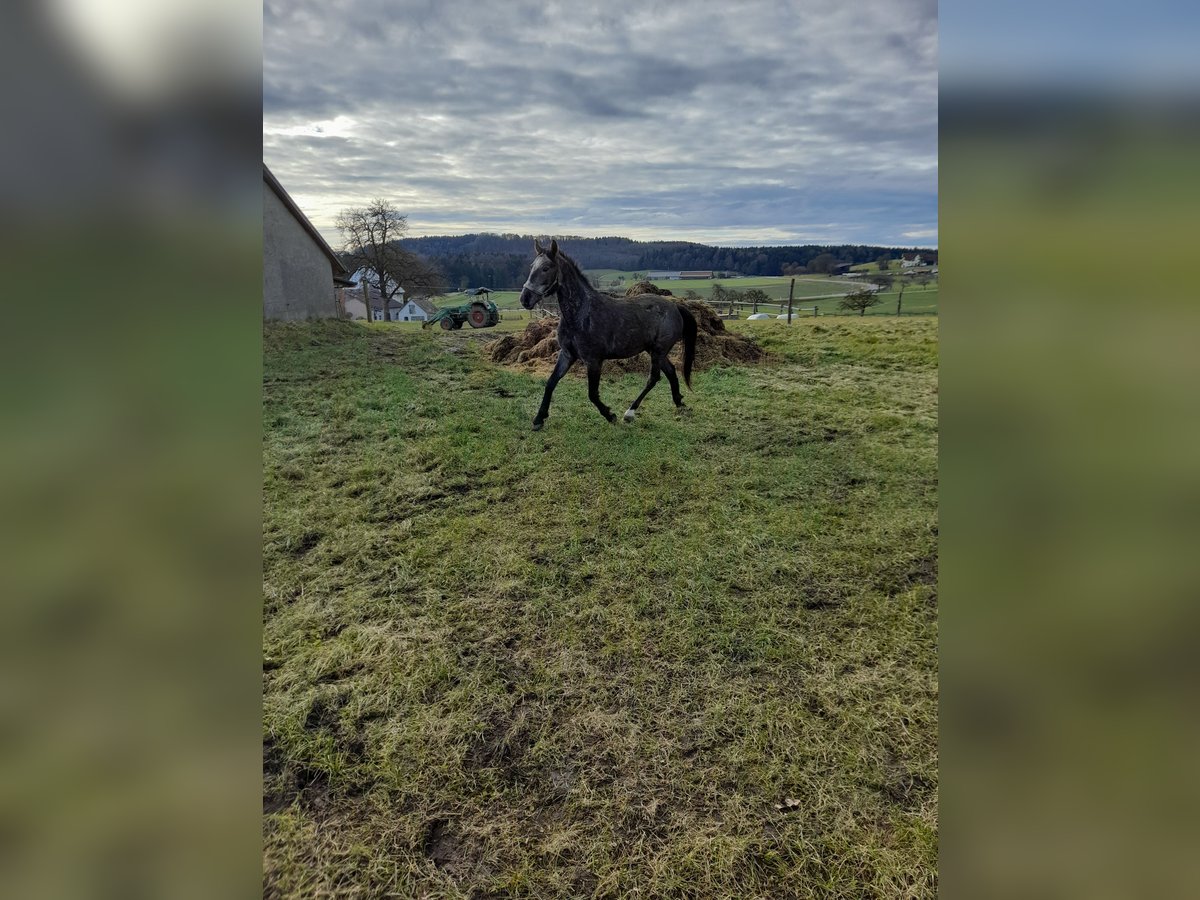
x=501, y=261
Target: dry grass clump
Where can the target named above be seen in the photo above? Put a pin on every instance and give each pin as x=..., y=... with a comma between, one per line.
x=646, y=287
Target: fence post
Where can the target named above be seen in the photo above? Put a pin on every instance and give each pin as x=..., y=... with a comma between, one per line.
x=791, y=290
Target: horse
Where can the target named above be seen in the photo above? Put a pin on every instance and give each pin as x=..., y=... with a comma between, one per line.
x=593, y=327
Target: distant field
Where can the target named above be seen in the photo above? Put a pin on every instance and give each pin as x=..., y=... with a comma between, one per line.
x=775, y=286
x=807, y=286
x=893, y=267
x=917, y=300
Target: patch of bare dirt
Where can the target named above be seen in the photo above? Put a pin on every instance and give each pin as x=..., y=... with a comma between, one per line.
x=536, y=348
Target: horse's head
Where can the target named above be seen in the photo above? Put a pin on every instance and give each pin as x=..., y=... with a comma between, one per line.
x=543, y=275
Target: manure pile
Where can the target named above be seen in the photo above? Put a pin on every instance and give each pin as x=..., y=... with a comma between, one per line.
x=536, y=348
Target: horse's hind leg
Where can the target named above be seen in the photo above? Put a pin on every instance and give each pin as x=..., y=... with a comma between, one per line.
x=594, y=392
x=668, y=368
x=631, y=413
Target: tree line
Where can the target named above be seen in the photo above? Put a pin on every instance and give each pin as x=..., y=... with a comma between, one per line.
x=501, y=261
x=375, y=239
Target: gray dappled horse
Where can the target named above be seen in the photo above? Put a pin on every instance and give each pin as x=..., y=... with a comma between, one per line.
x=593, y=327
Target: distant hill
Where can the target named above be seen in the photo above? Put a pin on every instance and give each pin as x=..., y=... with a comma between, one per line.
x=501, y=261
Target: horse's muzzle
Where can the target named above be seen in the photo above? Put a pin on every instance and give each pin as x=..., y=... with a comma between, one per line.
x=529, y=299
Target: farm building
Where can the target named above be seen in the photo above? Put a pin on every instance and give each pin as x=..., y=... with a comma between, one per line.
x=399, y=308
x=300, y=270
x=663, y=276
x=352, y=301
x=698, y=274
x=417, y=309
x=915, y=260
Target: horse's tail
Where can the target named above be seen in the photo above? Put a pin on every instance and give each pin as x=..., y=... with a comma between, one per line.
x=689, y=343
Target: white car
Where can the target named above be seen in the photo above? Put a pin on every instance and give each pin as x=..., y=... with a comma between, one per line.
x=760, y=316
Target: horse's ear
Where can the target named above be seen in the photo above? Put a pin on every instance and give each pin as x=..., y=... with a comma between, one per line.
x=537, y=246
x=553, y=248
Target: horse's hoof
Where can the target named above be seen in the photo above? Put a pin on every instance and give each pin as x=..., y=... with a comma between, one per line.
x=630, y=415
x=537, y=426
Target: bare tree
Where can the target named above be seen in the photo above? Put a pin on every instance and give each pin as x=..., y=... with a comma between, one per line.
x=860, y=300
x=887, y=282
x=822, y=264
x=756, y=296
x=371, y=240
x=719, y=295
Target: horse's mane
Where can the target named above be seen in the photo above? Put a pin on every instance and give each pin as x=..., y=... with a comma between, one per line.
x=566, y=263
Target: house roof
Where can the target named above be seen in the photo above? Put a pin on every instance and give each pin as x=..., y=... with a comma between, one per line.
x=359, y=274
x=285, y=198
x=376, y=299
x=394, y=303
x=475, y=292
x=425, y=304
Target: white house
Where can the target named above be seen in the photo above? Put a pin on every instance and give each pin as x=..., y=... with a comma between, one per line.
x=356, y=306
x=418, y=309
x=914, y=261
x=399, y=309
x=393, y=309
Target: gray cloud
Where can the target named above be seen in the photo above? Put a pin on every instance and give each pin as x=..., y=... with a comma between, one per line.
x=749, y=122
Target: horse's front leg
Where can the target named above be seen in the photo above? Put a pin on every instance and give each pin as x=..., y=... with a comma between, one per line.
x=594, y=392
x=565, y=359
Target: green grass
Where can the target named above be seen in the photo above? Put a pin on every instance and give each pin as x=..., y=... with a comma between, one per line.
x=774, y=286
x=922, y=300
x=695, y=656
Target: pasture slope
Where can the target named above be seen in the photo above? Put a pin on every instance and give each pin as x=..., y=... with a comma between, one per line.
x=918, y=299
x=692, y=657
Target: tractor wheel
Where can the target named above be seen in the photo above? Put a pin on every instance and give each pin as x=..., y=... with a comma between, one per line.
x=478, y=316
x=447, y=324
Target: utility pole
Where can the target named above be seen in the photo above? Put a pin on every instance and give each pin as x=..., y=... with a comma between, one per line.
x=791, y=290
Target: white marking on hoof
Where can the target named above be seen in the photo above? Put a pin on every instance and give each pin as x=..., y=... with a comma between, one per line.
x=630, y=415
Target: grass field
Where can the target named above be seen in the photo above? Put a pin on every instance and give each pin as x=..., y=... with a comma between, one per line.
x=917, y=300
x=691, y=657
x=773, y=285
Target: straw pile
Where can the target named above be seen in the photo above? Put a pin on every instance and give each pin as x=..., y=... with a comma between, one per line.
x=536, y=348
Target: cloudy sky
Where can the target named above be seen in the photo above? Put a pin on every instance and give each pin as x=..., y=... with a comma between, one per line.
x=734, y=123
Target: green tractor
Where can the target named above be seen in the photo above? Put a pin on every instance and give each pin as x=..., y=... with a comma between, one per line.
x=479, y=313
